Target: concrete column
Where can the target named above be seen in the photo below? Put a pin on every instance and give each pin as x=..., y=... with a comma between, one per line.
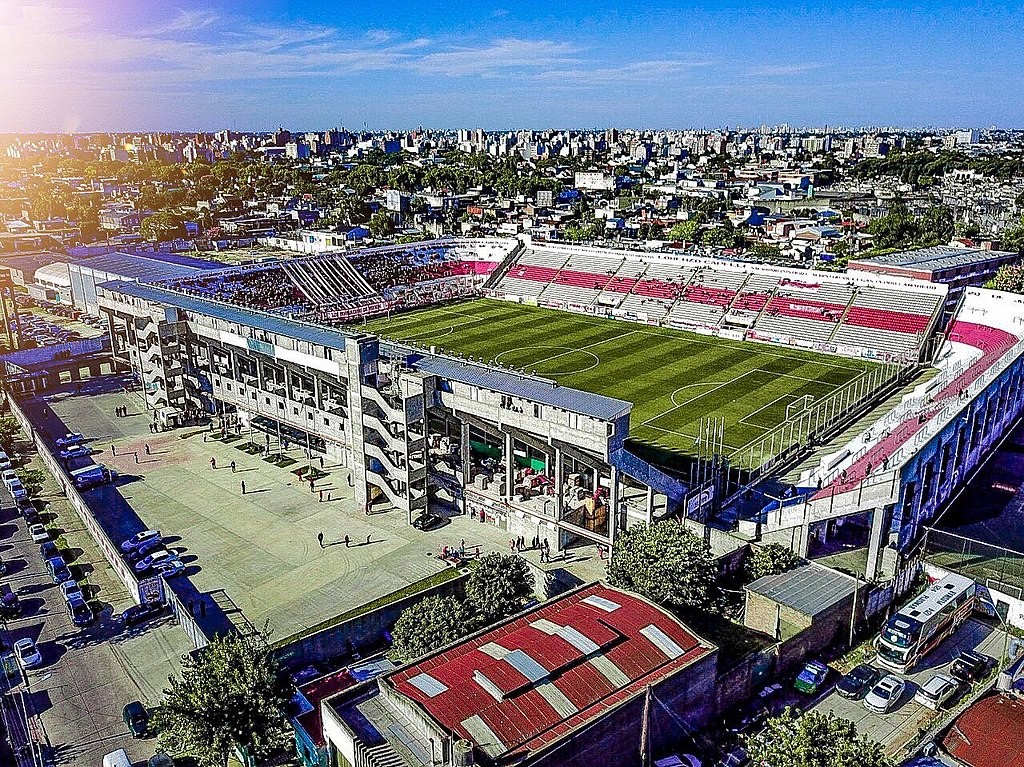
x=650, y=504
x=559, y=484
x=876, y=542
x=509, y=465
x=613, y=504
x=464, y=454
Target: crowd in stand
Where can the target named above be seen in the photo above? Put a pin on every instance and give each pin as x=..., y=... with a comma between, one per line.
x=260, y=289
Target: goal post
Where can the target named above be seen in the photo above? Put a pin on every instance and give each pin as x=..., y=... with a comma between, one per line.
x=799, y=405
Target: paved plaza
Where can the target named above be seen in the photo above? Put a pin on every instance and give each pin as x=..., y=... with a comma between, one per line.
x=262, y=547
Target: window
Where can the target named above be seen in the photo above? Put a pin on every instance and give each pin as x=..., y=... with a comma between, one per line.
x=327, y=422
x=574, y=420
x=295, y=411
x=229, y=387
x=538, y=411
x=267, y=399
x=280, y=406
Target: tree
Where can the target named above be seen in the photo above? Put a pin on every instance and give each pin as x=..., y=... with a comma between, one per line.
x=161, y=226
x=429, y=624
x=1009, y=278
x=666, y=563
x=498, y=587
x=381, y=224
x=1012, y=238
x=687, y=231
x=33, y=480
x=813, y=740
x=771, y=559
x=9, y=427
x=231, y=694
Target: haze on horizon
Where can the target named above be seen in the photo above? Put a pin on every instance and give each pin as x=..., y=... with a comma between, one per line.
x=100, y=65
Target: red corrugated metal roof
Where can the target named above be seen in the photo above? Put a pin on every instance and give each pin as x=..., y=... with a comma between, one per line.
x=524, y=719
x=988, y=733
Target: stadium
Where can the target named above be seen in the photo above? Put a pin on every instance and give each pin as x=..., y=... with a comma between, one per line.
x=564, y=393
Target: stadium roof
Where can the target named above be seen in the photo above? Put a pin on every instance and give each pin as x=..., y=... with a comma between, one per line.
x=303, y=331
x=529, y=387
x=988, y=733
x=810, y=589
x=532, y=681
x=136, y=267
x=934, y=259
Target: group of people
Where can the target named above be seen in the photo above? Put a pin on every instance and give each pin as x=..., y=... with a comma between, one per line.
x=264, y=288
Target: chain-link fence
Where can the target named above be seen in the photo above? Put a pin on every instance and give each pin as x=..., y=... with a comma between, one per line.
x=994, y=566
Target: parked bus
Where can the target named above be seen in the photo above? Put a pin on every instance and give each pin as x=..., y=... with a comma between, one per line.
x=921, y=625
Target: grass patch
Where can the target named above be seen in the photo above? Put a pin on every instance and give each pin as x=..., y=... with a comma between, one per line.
x=448, y=574
x=280, y=460
x=250, y=447
x=307, y=473
x=734, y=640
x=673, y=378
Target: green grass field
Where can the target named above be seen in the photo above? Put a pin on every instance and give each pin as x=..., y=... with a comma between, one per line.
x=673, y=378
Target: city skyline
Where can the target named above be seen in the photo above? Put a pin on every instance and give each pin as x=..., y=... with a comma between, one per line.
x=95, y=66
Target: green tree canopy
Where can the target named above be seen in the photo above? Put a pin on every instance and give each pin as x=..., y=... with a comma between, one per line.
x=1009, y=278
x=163, y=225
x=9, y=427
x=230, y=694
x=689, y=230
x=666, y=563
x=498, y=587
x=771, y=559
x=813, y=740
x=381, y=224
x=429, y=624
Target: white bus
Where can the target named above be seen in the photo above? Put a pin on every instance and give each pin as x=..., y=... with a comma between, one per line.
x=921, y=625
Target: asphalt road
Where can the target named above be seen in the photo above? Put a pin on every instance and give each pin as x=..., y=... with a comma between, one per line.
x=75, y=697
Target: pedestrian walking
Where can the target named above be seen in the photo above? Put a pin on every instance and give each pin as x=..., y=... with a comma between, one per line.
x=243, y=487
x=320, y=539
x=147, y=449
x=367, y=540
x=213, y=463
x=232, y=467
x=321, y=462
x=346, y=541
x=113, y=450
x=321, y=500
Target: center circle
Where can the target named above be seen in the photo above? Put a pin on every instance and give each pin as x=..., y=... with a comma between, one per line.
x=549, y=360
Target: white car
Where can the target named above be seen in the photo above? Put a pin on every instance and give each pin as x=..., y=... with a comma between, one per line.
x=886, y=694
x=71, y=438
x=39, y=533
x=27, y=653
x=74, y=451
x=169, y=567
x=937, y=691
x=138, y=539
x=157, y=558
x=5, y=461
x=9, y=476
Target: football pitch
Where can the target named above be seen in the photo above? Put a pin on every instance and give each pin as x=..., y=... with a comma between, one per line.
x=673, y=378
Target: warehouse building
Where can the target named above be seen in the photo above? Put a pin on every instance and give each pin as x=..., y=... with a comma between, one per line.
x=585, y=679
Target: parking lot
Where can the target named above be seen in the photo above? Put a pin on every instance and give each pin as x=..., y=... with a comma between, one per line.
x=902, y=724
x=87, y=674
x=262, y=547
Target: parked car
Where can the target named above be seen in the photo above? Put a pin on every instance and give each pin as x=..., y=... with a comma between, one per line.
x=69, y=439
x=10, y=607
x=39, y=533
x=141, y=613
x=158, y=557
x=58, y=569
x=160, y=759
x=858, y=681
x=968, y=666
x=74, y=451
x=27, y=653
x=885, y=694
x=5, y=461
x=428, y=521
x=169, y=568
x=18, y=491
x=812, y=677
x=144, y=549
x=48, y=550
x=138, y=539
x=71, y=589
x=8, y=476
x=79, y=610
x=137, y=719
x=937, y=691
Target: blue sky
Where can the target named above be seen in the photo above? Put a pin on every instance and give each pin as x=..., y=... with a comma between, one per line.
x=502, y=64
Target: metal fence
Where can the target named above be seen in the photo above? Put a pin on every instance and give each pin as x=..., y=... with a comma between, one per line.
x=994, y=566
